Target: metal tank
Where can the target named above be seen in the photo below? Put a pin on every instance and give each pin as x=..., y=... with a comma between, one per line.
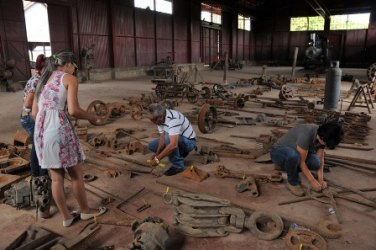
x=332, y=86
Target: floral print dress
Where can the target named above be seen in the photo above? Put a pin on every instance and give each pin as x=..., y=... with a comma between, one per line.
x=57, y=144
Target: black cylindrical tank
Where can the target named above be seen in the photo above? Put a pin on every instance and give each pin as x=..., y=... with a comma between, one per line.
x=332, y=86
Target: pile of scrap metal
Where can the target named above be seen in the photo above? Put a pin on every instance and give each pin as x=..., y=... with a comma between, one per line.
x=6, y=74
x=120, y=139
x=165, y=90
x=200, y=215
x=15, y=158
x=274, y=82
x=109, y=111
x=221, y=64
x=355, y=125
x=218, y=95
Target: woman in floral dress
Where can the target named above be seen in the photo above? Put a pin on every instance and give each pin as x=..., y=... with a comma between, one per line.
x=57, y=145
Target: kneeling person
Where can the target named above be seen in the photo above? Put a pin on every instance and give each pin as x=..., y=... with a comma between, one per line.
x=176, y=137
x=302, y=149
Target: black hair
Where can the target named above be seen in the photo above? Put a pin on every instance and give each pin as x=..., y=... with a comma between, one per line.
x=331, y=133
x=59, y=59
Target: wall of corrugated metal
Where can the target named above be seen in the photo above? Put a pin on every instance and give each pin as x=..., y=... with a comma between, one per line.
x=13, y=38
x=275, y=42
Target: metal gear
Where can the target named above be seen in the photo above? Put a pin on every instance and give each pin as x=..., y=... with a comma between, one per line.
x=285, y=93
x=371, y=71
x=305, y=239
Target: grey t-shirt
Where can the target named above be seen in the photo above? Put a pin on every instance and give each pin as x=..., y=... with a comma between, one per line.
x=303, y=135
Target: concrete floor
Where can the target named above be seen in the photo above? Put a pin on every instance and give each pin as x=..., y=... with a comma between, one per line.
x=359, y=222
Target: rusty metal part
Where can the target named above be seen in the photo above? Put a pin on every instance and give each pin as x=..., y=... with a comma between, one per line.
x=266, y=225
x=81, y=132
x=166, y=90
x=136, y=112
x=285, y=93
x=13, y=164
x=248, y=184
x=205, y=92
x=231, y=151
x=100, y=109
x=200, y=215
x=150, y=233
x=215, y=140
x=33, y=237
x=223, y=172
x=328, y=229
x=143, y=207
x=122, y=202
x=356, y=191
x=69, y=243
x=21, y=138
x=98, y=140
x=371, y=71
x=207, y=118
x=304, y=239
x=116, y=109
x=195, y=174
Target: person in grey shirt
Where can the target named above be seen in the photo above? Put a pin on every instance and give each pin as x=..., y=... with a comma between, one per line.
x=176, y=137
x=302, y=149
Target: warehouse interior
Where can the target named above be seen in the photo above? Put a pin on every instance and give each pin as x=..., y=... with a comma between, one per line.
x=243, y=72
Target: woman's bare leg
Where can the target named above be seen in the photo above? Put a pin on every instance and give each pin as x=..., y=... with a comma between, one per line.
x=57, y=186
x=78, y=187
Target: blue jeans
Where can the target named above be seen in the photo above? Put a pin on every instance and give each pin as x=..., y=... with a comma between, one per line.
x=177, y=156
x=28, y=124
x=289, y=161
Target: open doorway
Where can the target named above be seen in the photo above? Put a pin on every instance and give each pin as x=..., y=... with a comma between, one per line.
x=37, y=29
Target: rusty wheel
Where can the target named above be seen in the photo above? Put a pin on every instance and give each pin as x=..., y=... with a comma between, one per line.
x=192, y=95
x=239, y=102
x=205, y=92
x=266, y=225
x=285, y=93
x=371, y=71
x=101, y=110
x=160, y=90
x=207, y=118
x=305, y=239
x=136, y=111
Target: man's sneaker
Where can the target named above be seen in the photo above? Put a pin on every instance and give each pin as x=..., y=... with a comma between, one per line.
x=296, y=190
x=173, y=171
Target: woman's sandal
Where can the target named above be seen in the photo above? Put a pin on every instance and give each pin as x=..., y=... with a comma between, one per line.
x=69, y=222
x=101, y=210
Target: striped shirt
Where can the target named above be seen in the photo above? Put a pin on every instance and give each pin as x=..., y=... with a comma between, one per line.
x=177, y=124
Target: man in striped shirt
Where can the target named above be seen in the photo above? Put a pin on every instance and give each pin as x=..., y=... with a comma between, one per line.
x=176, y=137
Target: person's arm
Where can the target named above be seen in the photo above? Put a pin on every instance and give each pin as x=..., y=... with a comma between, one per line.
x=34, y=110
x=28, y=103
x=74, y=108
x=304, y=168
x=174, y=139
x=159, y=148
x=320, y=172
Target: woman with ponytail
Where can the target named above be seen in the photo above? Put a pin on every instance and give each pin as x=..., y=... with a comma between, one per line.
x=57, y=145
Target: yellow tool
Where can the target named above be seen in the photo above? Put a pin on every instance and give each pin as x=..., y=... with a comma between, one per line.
x=161, y=164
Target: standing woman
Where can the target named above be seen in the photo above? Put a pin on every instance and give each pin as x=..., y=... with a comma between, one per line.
x=57, y=145
x=39, y=177
x=27, y=120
